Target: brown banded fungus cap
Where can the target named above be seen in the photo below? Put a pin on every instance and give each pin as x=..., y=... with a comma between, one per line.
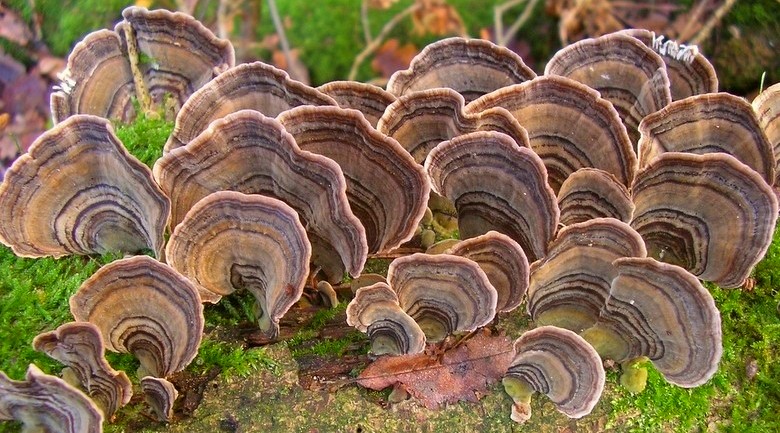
x=710, y=214
x=496, y=185
x=690, y=73
x=592, y=193
x=504, y=263
x=625, y=71
x=443, y=293
x=767, y=108
x=150, y=56
x=421, y=120
x=78, y=191
x=559, y=364
x=714, y=122
x=230, y=241
x=249, y=86
x=160, y=396
x=662, y=312
x=387, y=190
x=97, y=80
x=375, y=311
x=80, y=347
x=548, y=108
x=570, y=286
x=47, y=403
x=370, y=100
x=146, y=308
x=472, y=67
x=253, y=154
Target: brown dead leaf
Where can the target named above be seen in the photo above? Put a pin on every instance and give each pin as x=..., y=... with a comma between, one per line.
x=438, y=18
x=295, y=67
x=13, y=27
x=381, y=4
x=392, y=56
x=461, y=374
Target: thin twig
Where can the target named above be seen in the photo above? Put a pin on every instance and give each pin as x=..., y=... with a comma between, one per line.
x=521, y=20
x=377, y=41
x=280, y=31
x=364, y=21
x=498, y=18
x=695, y=19
x=721, y=12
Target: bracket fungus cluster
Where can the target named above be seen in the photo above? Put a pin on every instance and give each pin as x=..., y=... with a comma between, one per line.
x=621, y=200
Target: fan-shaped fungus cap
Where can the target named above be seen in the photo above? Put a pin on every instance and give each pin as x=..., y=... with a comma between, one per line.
x=146, y=308
x=422, y=120
x=47, y=403
x=78, y=191
x=558, y=363
x=767, y=108
x=253, y=154
x=386, y=189
x=97, y=80
x=715, y=122
x=592, y=193
x=443, y=293
x=249, y=86
x=496, y=185
x=375, y=311
x=370, y=100
x=690, y=73
x=710, y=214
x=663, y=312
x=548, y=107
x=158, y=57
x=625, y=71
x=504, y=263
x=79, y=346
x=230, y=241
x=182, y=54
x=570, y=285
x=472, y=67
x=160, y=396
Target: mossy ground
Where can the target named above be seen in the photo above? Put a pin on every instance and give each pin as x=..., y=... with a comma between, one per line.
x=257, y=389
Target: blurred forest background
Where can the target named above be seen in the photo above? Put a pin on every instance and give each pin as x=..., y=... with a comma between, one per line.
x=368, y=40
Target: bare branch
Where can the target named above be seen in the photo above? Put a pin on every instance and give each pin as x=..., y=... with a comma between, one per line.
x=721, y=12
x=498, y=18
x=377, y=41
x=520, y=21
x=364, y=21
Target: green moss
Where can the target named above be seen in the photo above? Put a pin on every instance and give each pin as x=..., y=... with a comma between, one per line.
x=34, y=297
x=145, y=137
x=232, y=359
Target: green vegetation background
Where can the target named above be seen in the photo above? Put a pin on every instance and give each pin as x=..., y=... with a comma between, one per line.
x=34, y=293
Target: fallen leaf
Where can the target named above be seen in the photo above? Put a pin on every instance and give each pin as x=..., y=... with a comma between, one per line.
x=295, y=68
x=438, y=18
x=460, y=374
x=381, y=4
x=143, y=3
x=392, y=56
x=13, y=27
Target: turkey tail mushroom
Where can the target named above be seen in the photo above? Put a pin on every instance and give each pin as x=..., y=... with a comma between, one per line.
x=591, y=193
x=47, y=403
x=767, y=109
x=230, y=241
x=558, y=363
x=711, y=123
x=496, y=185
x=80, y=347
x=709, y=214
x=472, y=67
x=78, y=191
x=370, y=100
x=375, y=310
x=625, y=72
x=146, y=308
x=443, y=293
